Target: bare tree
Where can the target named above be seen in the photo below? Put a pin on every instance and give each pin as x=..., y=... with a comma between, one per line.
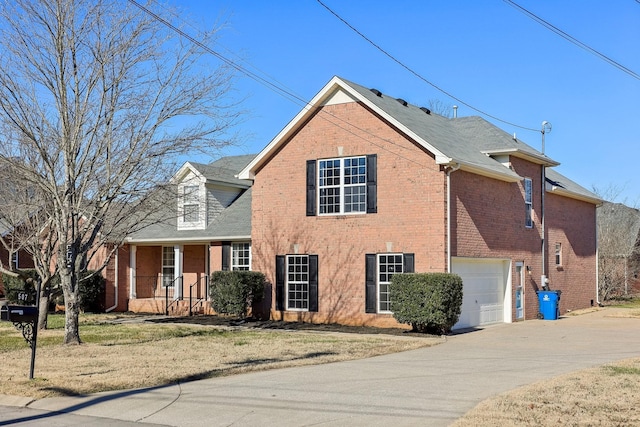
x=26, y=221
x=101, y=102
x=441, y=108
x=618, y=248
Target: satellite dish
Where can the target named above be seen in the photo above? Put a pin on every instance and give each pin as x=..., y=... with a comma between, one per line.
x=546, y=127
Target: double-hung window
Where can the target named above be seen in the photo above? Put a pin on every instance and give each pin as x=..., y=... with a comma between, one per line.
x=379, y=270
x=558, y=254
x=168, y=265
x=528, y=203
x=388, y=265
x=297, y=282
x=344, y=185
x=241, y=256
x=191, y=206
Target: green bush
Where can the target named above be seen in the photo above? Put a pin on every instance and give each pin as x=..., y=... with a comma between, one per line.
x=91, y=290
x=17, y=291
x=429, y=302
x=233, y=292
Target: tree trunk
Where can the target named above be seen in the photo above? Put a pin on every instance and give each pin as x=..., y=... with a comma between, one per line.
x=72, y=311
x=43, y=310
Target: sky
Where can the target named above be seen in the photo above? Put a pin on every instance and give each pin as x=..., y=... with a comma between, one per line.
x=486, y=53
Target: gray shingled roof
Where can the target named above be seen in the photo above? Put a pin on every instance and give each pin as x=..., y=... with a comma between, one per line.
x=560, y=183
x=470, y=140
x=233, y=223
x=225, y=169
x=467, y=140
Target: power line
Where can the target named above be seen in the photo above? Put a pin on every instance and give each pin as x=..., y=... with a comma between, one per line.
x=286, y=93
x=415, y=73
x=574, y=40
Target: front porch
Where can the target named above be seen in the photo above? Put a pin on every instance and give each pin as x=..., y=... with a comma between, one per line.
x=160, y=296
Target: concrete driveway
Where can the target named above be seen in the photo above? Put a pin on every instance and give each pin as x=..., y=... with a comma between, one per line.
x=431, y=386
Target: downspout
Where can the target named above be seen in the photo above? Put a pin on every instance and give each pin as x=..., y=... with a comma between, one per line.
x=597, y=266
x=450, y=169
x=115, y=283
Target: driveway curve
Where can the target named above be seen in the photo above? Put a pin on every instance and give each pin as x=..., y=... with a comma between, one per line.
x=430, y=386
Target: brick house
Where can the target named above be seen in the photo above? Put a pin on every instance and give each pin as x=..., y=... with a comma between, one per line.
x=361, y=185
x=166, y=266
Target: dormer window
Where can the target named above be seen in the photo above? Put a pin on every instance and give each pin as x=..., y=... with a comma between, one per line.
x=191, y=207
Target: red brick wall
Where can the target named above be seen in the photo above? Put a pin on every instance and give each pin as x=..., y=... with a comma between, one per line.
x=411, y=210
x=490, y=222
x=572, y=224
x=148, y=269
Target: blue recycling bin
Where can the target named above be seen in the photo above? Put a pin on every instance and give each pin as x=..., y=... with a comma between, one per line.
x=549, y=304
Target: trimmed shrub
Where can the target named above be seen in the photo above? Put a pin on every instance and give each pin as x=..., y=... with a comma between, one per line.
x=92, y=292
x=233, y=292
x=17, y=291
x=429, y=302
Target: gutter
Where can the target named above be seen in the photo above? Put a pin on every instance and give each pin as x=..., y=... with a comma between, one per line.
x=451, y=168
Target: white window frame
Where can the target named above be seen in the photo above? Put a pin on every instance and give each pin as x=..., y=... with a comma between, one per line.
x=241, y=256
x=297, y=277
x=558, y=254
x=343, y=186
x=191, y=204
x=168, y=266
x=15, y=260
x=528, y=203
x=383, y=278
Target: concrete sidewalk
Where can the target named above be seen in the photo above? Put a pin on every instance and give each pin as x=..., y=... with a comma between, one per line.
x=431, y=386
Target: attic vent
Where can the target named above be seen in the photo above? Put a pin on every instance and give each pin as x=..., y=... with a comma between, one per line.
x=377, y=92
x=426, y=110
x=402, y=101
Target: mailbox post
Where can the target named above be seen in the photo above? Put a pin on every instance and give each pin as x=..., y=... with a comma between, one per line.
x=25, y=318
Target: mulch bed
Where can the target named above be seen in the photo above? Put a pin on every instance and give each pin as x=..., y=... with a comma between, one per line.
x=281, y=325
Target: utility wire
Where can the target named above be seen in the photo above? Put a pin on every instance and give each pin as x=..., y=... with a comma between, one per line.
x=415, y=73
x=278, y=89
x=573, y=39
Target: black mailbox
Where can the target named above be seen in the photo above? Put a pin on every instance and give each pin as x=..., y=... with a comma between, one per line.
x=20, y=313
x=4, y=312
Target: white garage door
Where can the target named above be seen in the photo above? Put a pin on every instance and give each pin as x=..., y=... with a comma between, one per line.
x=484, y=285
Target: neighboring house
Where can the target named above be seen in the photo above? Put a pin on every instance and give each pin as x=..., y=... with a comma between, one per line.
x=207, y=229
x=618, y=249
x=360, y=186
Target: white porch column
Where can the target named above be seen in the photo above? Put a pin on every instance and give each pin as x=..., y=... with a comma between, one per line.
x=177, y=270
x=132, y=271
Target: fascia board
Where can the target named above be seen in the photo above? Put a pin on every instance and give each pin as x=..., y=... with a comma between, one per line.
x=515, y=152
x=328, y=90
x=199, y=239
x=187, y=167
x=509, y=176
x=552, y=189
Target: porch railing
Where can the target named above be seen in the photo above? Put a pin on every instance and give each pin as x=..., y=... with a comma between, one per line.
x=173, y=294
x=198, y=293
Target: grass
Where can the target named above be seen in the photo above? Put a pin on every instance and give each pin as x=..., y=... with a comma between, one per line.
x=116, y=355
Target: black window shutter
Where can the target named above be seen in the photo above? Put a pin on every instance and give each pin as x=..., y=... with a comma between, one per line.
x=408, y=262
x=226, y=256
x=372, y=188
x=311, y=187
x=280, y=274
x=313, y=282
x=371, y=297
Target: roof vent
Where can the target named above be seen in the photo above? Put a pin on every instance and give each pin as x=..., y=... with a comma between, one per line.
x=402, y=101
x=377, y=92
x=426, y=110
